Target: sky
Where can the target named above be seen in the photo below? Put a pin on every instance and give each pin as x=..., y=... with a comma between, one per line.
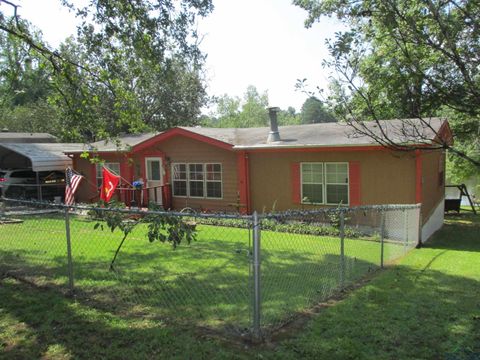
x=248, y=42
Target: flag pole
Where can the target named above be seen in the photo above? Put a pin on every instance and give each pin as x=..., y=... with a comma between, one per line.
x=114, y=173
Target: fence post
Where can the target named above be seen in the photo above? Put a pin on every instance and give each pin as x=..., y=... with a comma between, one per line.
x=69, y=251
x=256, y=277
x=382, y=238
x=405, y=247
x=419, y=243
x=342, y=250
x=2, y=207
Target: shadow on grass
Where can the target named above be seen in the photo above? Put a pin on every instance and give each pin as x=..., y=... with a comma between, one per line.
x=43, y=324
x=208, y=284
x=398, y=315
x=460, y=232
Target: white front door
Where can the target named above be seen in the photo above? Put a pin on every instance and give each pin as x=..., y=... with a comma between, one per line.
x=153, y=166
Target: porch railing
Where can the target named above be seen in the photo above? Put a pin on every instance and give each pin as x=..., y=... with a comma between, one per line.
x=134, y=197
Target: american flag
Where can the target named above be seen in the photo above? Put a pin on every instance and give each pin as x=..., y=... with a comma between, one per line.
x=72, y=181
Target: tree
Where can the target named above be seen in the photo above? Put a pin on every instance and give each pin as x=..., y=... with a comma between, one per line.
x=407, y=59
x=134, y=65
x=24, y=78
x=314, y=112
x=251, y=111
x=32, y=117
x=24, y=86
x=289, y=117
x=254, y=108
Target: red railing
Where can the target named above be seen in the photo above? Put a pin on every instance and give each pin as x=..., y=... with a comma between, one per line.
x=142, y=197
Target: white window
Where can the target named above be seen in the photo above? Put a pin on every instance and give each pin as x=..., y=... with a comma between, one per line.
x=213, y=182
x=312, y=183
x=179, y=174
x=336, y=183
x=324, y=183
x=197, y=180
x=113, y=166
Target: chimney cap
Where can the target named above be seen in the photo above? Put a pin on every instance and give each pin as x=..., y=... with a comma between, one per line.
x=273, y=109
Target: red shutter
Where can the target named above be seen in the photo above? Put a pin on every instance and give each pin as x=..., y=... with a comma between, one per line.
x=354, y=183
x=296, y=193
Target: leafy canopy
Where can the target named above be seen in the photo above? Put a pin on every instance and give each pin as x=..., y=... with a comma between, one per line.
x=407, y=59
x=133, y=66
x=249, y=111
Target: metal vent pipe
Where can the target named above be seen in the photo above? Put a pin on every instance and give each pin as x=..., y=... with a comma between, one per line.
x=274, y=135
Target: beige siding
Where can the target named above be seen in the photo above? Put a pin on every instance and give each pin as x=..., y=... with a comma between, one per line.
x=184, y=150
x=386, y=178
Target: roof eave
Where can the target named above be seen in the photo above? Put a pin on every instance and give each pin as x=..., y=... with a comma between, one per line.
x=304, y=146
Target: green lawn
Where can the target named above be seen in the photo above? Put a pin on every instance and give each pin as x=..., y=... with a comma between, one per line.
x=427, y=307
x=207, y=283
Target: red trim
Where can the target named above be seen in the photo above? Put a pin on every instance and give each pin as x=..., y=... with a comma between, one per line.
x=126, y=169
x=181, y=132
x=158, y=154
x=418, y=176
x=165, y=175
x=296, y=183
x=323, y=149
x=243, y=182
x=93, y=171
x=354, y=179
x=247, y=172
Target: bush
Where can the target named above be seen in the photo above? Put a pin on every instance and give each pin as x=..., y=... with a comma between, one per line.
x=296, y=227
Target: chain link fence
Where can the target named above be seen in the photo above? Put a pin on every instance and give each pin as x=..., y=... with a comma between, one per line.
x=241, y=275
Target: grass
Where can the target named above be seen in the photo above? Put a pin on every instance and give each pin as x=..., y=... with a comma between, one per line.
x=427, y=307
x=207, y=282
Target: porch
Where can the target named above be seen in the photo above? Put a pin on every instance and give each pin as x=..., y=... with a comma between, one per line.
x=160, y=195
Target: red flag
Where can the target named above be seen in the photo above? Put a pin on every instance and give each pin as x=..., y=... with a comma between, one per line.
x=109, y=184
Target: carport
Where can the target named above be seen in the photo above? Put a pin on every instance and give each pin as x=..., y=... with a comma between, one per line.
x=39, y=157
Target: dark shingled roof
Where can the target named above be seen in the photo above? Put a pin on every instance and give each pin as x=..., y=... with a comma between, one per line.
x=121, y=144
x=325, y=134
x=404, y=131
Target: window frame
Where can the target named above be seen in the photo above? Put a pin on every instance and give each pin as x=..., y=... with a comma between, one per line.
x=204, y=181
x=190, y=180
x=347, y=183
x=99, y=173
x=186, y=179
x=214, y=181
x=325, y=183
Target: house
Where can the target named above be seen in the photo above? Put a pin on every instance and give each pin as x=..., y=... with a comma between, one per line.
x=302, y=166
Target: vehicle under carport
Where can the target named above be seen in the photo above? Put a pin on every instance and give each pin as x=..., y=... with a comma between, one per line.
x=47, y=161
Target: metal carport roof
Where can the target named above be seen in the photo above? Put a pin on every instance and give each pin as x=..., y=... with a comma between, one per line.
x=42, y=156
